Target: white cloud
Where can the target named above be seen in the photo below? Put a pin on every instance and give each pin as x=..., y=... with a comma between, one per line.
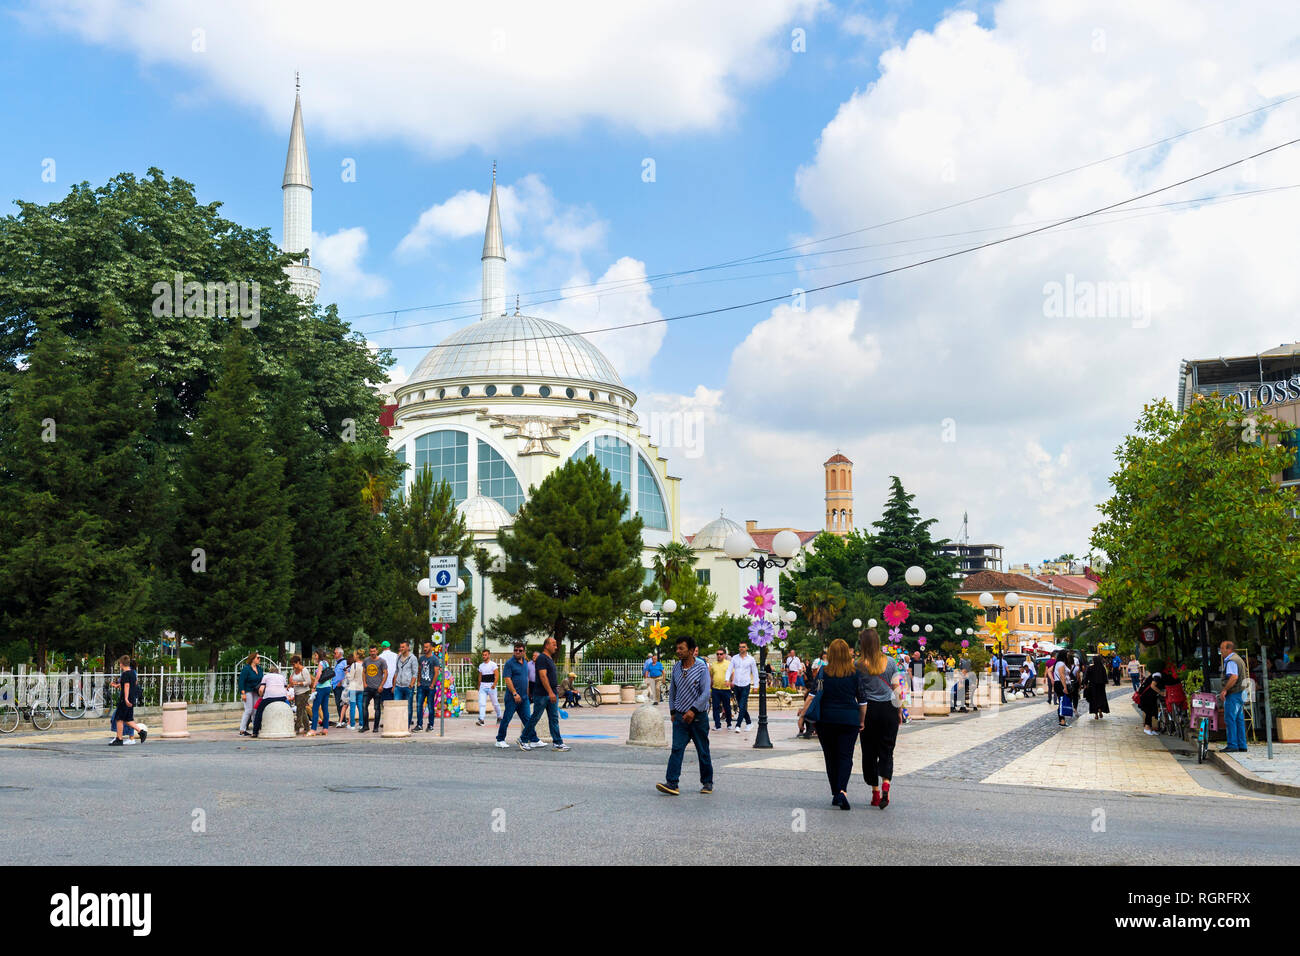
x=446, y=76
x=338, y=256
x=1035, y=404
x=620, y=297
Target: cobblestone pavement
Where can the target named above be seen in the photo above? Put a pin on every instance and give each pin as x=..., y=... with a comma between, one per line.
x=987, y=758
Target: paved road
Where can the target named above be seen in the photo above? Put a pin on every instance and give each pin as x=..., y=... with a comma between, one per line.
x=465, y=802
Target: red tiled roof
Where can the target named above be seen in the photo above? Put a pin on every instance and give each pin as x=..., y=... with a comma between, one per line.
x=1002, y=581
x=837, y=459
x=1075, y=583
x=764, y=541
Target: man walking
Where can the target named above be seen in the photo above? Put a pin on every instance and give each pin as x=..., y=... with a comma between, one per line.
x=406, y=672
x=425, y=692
x=796, y=670
x=376, y=672
x=545, y=700
x=721, y=690
x=653, y=671
x=742, y=674
x=487, y=688
x=1234, y=710
x=515, y=678
x=688, y=701
x=128, y=695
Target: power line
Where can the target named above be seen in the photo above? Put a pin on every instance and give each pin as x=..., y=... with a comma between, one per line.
x=880, y=225
x=1153, y=209
x=875, y=275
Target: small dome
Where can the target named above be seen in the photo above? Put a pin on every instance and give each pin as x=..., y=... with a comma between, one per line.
x=714, y=534
x=483, y=513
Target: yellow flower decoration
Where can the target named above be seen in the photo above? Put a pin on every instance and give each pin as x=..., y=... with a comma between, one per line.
x=998, y=628
x=658, y=632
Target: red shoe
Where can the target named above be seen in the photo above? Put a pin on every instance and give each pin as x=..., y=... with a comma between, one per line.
x=875, y=798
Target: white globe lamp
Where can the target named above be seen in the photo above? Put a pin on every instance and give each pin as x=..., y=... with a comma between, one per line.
x=669, y=606
x=738, y=545
x=425, y=587
x=647, y=606
x=877, y=576
x=785, y=544
x=914, y=576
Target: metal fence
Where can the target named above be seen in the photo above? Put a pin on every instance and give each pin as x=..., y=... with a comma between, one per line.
x=220, y=687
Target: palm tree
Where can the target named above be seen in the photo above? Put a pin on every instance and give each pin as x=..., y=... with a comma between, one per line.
x=820, y=600
x=671, y=560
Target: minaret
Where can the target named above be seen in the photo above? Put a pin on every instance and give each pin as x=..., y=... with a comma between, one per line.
x=494, y=259
x=304, y=281
x=839, y=494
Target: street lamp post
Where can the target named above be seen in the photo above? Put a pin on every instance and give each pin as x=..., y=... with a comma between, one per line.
x=878, y=577
x=991, y=609
x=648, y=609
x=739, y=547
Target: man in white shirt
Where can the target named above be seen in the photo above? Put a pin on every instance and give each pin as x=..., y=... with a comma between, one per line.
x=487, y=688
x=796, y=668
x=272, y=688
x=742, y=673
x=389, y=658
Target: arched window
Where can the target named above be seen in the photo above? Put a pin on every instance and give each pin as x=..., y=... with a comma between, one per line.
x=649, y=503
x=446, y=455
x=399, y=489
x=831, y=475
x=496, y=479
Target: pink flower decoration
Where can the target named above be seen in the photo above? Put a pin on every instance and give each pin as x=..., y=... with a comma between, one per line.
x=922, y=640
x=896, y=613
x=965, y=643
x=759, y=599
x=894, y=636
x=760, y=633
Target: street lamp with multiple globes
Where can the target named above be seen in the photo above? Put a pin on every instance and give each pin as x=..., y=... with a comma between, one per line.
x=739, y=547
x=991, y=609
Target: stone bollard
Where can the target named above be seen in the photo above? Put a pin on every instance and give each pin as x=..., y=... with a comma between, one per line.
x=277, y=721
x=647, y=727
x=628, y=694
x=175, y=719
x=393, y=719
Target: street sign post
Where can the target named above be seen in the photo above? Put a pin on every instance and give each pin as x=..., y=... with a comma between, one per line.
x=444, y=571
x=444, y=607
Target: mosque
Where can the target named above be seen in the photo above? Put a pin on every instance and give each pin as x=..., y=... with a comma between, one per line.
x=501, y=403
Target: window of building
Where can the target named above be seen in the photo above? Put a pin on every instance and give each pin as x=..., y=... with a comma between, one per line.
x=399, y=490
x=1022, y=614
x=544, y=391
x=490, y=391
x=464, y=391
x=569, y=393
x=1040, y=614
x=616, y=455
x=446, y=455
x=649, y=503
x=1058, y=615
x=496, y=479
x=702, y=575
x=1291, y=440
x=516, y=390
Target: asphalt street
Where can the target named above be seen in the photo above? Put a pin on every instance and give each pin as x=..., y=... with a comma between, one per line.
x=217, y=802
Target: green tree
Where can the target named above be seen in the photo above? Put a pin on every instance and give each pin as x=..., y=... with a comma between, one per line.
x=572, y=563
x=419, y=526
x=78, y=510
x=1197, y=520
x=820, y=601
x=671, y=560
x=235, y=588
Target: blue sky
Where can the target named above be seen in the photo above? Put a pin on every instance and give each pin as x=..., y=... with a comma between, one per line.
x=956, y=377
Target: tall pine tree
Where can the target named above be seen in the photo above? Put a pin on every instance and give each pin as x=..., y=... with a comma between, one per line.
x=235, y=591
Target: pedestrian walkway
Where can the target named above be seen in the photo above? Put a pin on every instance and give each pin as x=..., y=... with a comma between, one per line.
x=1107, y=754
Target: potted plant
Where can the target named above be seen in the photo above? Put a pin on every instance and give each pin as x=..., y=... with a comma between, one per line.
x=1284, y=700
x=610, y=693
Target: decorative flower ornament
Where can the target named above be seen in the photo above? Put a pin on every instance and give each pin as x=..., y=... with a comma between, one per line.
x=998, y=628
x=896, y=613
x=965, y=643
x=658, y=632
x=895, y=636
x=761, y=633
x=759, y=599
x=922, y=640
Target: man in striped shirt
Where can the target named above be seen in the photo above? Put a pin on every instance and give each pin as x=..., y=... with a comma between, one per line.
x=688, y=705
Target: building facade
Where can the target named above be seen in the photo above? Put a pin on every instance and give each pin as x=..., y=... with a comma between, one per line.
x=1043, y=603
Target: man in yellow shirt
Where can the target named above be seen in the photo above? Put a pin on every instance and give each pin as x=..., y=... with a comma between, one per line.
x=721, y=689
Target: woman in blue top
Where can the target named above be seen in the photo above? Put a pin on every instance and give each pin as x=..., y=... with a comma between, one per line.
x=884, y=714
x=841, y=710
x=250, y=679
x=324, y=684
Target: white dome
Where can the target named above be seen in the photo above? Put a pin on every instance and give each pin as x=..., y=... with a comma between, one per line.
x=516, y=346
x=484, y=514
x=713, y=534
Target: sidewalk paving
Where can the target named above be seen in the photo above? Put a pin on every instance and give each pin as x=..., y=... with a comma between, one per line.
x=1253, y=769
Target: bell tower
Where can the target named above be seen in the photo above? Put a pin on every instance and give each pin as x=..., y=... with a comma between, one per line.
x=839, y=494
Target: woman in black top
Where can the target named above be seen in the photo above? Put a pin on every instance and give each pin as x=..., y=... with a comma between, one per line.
x=840, y=714
x=809, y=727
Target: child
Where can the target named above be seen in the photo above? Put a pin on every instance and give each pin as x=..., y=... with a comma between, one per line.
x=124, y=715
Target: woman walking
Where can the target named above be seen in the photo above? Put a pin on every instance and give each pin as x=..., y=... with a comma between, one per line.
x=883, y=694
x=356, y=692
x=324, y=685
x=250, y=679
x=839, y=710
x=1095, y=681
x=1060, y=687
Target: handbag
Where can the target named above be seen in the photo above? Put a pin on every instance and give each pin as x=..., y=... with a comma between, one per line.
x=814, y=711
x=1066, y=707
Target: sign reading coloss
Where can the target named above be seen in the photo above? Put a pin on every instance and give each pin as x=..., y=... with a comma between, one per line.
x=1269, y=393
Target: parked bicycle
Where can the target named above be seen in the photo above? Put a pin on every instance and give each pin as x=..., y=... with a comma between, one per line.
x=37, y=711
x=591, y=696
